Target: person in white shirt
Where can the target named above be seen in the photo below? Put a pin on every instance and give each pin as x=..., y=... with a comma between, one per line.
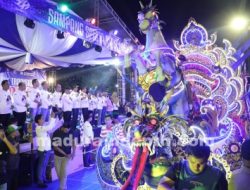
x=20, y=105
x=104, y=107
x=240, y=178
x=57, y=101
x=45, y=101
x=67, y=106
x=85, y=104
x=5, y=104
x=92, y=107
x=44, y=146
x=99, y=108
x=76, y=104
x=109, y=106
x=88, y=137
x=116, y=104
x=34, y=99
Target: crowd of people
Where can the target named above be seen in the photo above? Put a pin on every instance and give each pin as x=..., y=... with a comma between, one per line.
x=54, y=117
x=38, y=113
x=38, y=100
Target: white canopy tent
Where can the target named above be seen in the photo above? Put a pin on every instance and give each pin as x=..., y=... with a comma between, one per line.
x=23, y=48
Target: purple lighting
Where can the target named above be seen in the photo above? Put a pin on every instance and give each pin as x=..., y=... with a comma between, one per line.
x=115, y=32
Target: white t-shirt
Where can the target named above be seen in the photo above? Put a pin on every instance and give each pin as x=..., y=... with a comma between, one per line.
x=84, y=101
x=20, y=101
x=88, y=134
x=67, y=103
x=99, y=103
x=43, y=138
x=76, y=99
x=92, y=103
x=34, y=95
x=6, y=102
x=57, y=99
x=45, y=99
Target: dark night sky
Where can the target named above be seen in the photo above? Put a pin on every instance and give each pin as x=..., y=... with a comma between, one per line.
x=212, y=14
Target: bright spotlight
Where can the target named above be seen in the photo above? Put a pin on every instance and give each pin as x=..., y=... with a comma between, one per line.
x=116, y=85
x=64, y=8
x=86, y=44
x=115, y=62
x=115, y=32
x=51, y=80
x=239, y=23
x=93, y=21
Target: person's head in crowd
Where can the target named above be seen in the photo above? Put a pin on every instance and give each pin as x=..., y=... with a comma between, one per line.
x=129, y=114
x=39, y=120
x=67, y=90
x=35, y=83
x=105, y=94
x=137, y=120
x=84, y=89
x=12, y=121
x=89, y=118
x=108, y=120
x=66, y=127
x=58, y=88
x=245, y=153
x=5, y=85
x=21, y=86
x=76, y=88
x=197, y=155
x=45, y=85
x=12, y=129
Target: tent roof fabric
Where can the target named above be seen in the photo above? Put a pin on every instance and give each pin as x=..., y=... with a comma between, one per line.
x=23, y=48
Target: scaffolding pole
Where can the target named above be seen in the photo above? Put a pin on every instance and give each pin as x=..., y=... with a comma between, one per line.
x=122, y=24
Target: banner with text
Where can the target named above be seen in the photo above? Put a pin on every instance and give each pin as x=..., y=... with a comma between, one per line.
x=14, y=77
x=48, y=12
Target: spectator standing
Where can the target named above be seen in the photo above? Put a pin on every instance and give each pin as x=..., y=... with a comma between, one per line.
x=13, y=159
x=20, y=106
x=240, y=179
x=44, y=147
x=57, y=101
x=34, y=99
x=45, y=101
x=88, y=137
x=6, y=148
x=67, y=105
x=5, y=104
x=63, y=152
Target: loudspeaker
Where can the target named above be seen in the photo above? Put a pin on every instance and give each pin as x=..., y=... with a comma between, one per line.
x=98, y=48
x=27, y=168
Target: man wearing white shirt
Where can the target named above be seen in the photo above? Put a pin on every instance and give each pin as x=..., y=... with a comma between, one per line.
x=99, y=108
x=44, y=146
x=67, y=105
x=20, y=105
x=92, y=107
x=85, y=104
x=5, y=104
x=116, y=104
x=104, y=107
x=88, y=137
x=76, y=103
x=34, y=99
x=45, y=101
x=57, y=101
